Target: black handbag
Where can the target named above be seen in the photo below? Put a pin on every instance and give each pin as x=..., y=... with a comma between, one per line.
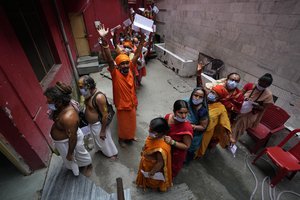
x=110, y=109
x=82, y=120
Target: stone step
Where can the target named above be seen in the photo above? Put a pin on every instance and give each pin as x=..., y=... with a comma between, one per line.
x=87, y=59
x=61, y=184
x=88, y=68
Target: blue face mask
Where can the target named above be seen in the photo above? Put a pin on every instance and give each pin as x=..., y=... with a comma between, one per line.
x=231, y=84
x=179, y=119
x=52, y=106
x=197, y=101
x=211, y=97
x=85, y=92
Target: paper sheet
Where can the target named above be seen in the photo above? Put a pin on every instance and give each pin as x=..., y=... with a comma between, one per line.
x=143, y=23
x=127, y=22
x=157, y=176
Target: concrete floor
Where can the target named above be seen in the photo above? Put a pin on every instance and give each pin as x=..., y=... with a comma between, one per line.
x=219, y=175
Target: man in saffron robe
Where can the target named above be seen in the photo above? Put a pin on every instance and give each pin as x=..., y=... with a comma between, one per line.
x=219, y=125
x=124, y=95
x=156, y=158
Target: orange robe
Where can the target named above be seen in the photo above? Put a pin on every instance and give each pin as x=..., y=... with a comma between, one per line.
x=146, y=164
x=126, y=102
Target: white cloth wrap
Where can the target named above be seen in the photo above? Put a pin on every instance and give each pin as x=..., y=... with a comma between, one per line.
x=81, y=155
x=107, y=146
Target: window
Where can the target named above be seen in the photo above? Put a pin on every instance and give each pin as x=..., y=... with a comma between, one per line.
x=27, y=22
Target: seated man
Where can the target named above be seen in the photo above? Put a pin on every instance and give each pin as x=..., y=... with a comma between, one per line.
x=67, y=137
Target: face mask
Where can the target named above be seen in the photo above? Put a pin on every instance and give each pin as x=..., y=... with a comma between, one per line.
x=179, y=119
x=231, y=84
x=197, y=101
x=124, y=70
x=211, y=97
x=52, y=106
x=259, y=87
x=85, y=92
x=152, y=135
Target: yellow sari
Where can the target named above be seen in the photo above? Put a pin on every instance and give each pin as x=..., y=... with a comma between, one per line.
x=153, y=146
x=218, y=128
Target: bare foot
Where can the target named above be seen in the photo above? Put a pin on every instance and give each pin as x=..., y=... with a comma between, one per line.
x=87, y=171
x=122, y=143
x=113, y=158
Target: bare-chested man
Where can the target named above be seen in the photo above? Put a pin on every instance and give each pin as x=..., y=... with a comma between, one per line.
x=67, y=137
x=95, y=105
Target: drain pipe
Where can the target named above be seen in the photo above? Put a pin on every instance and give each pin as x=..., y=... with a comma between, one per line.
x=66, y=42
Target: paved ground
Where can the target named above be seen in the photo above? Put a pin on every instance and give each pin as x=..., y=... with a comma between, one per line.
x=219, y=175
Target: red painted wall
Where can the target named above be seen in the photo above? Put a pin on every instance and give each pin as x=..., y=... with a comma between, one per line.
x=22, y=97
x=110, y=13
x=24, y=122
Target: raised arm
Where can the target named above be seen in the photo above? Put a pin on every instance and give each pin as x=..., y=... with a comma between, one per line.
x=138, y=51
x=105, y=46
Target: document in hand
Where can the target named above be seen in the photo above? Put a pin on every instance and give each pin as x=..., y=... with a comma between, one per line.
x=155, y=9
x=127, y=22
x=114, y=28
x=143, y=23
x=157, y=176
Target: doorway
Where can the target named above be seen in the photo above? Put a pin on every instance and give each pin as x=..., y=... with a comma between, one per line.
x=80, y=34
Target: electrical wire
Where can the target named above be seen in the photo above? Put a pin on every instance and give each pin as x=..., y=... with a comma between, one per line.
x=272, y=191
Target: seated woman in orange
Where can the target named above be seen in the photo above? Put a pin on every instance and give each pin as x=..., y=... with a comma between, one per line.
x=235, y=98
x=156, y=158
x=180, y=135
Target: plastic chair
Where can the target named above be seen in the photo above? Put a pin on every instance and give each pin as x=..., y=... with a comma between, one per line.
x=287, y=161
x=272, y=121
x=213, y=68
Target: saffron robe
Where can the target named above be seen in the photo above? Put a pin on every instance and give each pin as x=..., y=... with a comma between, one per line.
x=126, y=102
x=153, y=146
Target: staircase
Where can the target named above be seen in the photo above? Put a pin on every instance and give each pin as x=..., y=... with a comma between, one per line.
x=61, y=184
x=88, y=64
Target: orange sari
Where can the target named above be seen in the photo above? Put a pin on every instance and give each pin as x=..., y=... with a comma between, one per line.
x=153, y=146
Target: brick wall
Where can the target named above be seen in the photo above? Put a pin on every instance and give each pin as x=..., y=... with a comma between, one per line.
x=252, y=37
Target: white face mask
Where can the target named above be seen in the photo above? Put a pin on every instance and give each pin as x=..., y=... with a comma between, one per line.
x=197, y=101
x=52, y=106
x=179, y=119
x=231, y=84
x=259, y=87
x=152, y=135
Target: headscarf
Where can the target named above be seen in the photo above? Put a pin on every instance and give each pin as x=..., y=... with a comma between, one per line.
x=220, y=90
x=128, y=44
x=121, y=58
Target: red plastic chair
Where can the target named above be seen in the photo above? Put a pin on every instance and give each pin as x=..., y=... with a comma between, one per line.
x=272, y=121
x=287, y=161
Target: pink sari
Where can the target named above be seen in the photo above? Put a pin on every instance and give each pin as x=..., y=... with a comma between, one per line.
x=177, y=131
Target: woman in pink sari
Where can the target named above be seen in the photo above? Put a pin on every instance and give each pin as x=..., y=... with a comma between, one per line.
x=180, y=135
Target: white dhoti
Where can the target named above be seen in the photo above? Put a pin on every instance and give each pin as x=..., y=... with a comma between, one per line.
x=81, y=155
x=107, y=146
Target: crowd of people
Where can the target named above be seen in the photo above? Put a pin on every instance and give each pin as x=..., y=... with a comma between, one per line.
x=215, y=113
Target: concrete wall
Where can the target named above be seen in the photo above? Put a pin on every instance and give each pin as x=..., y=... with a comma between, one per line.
x=252, y=37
